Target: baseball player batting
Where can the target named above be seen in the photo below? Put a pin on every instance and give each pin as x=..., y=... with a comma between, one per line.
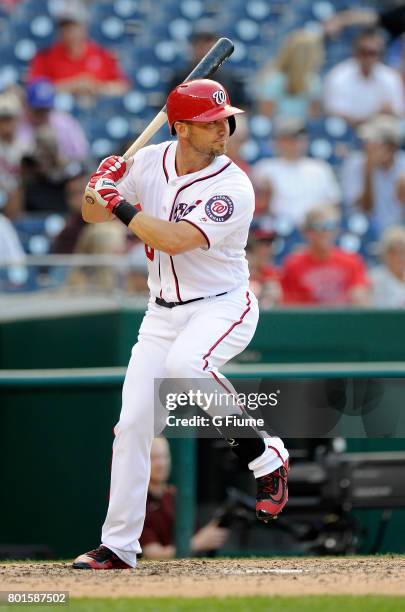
x=197, y=206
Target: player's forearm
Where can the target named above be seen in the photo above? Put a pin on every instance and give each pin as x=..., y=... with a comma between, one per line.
x=157, y=233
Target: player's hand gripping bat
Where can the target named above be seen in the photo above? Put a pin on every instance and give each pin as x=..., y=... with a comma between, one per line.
x=216, y=56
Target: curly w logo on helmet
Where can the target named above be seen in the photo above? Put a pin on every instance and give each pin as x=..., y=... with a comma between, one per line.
x=219, y=96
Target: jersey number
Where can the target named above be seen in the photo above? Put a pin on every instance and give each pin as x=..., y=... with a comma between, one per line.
x=150, y=253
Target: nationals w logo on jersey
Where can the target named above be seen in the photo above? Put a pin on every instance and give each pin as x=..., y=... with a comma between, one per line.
x=219, y=208
x=182, y=209
x=219, y=96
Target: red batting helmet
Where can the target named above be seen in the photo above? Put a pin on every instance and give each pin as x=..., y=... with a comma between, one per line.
x=200, y=100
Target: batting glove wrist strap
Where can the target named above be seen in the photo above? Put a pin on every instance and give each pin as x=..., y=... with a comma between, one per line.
x=125, y=212
x=104, y=191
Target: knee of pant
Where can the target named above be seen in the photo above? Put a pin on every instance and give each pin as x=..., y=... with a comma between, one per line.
x=135, y=424
x=183, y=366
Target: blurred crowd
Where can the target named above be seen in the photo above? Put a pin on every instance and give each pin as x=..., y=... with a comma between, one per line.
x=329, y=228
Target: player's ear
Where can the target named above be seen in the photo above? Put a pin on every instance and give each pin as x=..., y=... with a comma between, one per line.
x=181, y=128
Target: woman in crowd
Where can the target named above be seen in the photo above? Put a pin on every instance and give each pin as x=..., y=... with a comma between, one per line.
x=290, y=85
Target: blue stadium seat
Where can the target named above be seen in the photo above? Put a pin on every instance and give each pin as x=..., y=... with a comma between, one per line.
x=357, y=228
x=191, y=9
x=18, y=279
x=126, y=9
x=42, y=28
x=36, y=231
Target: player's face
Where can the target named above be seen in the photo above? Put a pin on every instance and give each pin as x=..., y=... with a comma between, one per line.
x=209, y=138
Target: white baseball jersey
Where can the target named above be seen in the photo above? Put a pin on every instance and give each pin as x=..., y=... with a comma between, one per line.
x=218, y=200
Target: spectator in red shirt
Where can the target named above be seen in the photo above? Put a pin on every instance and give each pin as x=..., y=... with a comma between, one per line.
x=76, y=64
x=157, y=539
x=323, y=273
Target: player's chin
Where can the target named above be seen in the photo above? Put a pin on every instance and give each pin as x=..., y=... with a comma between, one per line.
x=219, y=148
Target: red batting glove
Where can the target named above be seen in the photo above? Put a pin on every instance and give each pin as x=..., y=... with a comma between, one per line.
x=114, y=166
x=104, y=191
x=94, y=178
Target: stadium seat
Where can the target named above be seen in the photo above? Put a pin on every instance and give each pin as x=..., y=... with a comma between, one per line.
x=125, y=8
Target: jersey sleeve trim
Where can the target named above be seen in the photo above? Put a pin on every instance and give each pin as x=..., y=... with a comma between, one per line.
x=199, y=228
x=164, y=162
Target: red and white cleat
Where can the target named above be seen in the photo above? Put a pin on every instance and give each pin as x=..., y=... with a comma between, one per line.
x=101, y=558
x=272, y=494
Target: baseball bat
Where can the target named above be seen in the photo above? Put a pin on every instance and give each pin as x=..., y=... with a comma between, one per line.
x=206, y=67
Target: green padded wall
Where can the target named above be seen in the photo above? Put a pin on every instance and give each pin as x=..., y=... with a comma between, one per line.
x=282, y=336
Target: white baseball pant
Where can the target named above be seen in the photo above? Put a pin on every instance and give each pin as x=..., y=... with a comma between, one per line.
x=188, y=341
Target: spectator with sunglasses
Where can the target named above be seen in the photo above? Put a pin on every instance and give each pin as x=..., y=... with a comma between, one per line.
x=363, y=86
x=323, y=274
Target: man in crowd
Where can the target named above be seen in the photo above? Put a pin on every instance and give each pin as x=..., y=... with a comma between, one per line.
x=363, y=86
x=291, y=182
x=323, y=274
x=371, y=178
x=157, y=539
x=75, y=63
x=40, y=112
x=11, y=152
